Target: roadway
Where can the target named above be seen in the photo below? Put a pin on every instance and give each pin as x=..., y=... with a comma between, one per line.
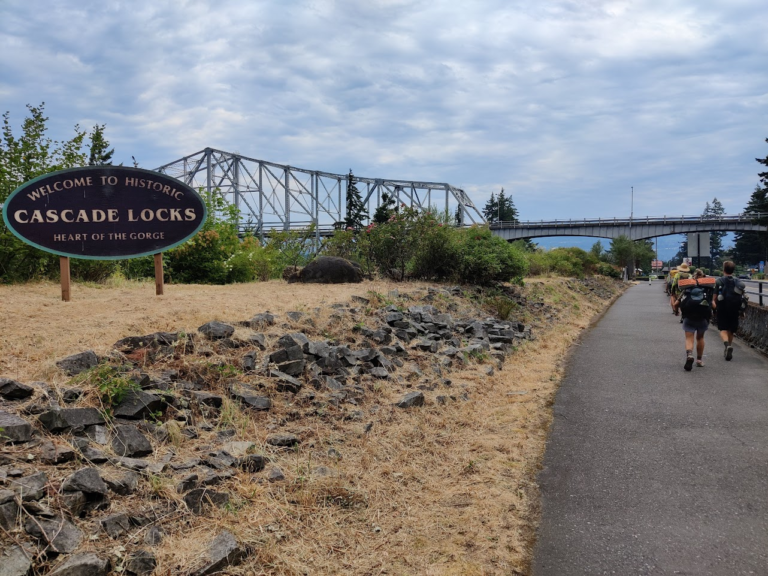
x=650, y=469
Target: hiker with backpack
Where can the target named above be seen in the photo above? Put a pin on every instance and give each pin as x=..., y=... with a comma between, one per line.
x=694, y=301
x=682, y=272
x=730, y=302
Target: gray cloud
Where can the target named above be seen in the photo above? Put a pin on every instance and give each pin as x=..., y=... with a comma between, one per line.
x=566, y=104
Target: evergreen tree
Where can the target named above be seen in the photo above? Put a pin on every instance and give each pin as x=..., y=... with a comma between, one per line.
x=100, y=155
x=501, y=209
x=622, y=252
x=715, y=210
x=23, y=158
x=597, y=250
x=386, y=209
x=356, y=212
x=491, y=210
x=506, y=209
x=752, y=247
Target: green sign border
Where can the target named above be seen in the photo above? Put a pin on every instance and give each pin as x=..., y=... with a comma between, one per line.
x=23, y=187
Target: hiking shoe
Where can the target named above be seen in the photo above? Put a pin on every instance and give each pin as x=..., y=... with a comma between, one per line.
x=729, y=353
x=700, y=363
x=688, y=363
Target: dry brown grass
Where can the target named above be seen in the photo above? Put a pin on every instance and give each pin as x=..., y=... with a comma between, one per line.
x=441, y=490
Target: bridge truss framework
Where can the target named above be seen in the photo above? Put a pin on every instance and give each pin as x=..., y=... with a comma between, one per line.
x=274, y=196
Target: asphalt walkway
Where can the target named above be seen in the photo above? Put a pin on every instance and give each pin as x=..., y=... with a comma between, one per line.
x=650, y=469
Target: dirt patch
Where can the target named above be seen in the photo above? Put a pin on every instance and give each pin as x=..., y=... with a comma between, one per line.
x=447, y=488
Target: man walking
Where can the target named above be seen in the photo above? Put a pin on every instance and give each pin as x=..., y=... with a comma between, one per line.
x=727, y=300
x=694, y=300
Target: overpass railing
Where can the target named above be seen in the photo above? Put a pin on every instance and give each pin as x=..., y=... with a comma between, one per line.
x=744, y=217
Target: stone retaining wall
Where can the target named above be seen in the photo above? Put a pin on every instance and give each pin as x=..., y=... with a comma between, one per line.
x=753, y=328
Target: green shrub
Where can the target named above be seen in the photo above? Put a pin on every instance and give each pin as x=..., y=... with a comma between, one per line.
x=436, y=248
x=389, y=247
x=343, y=244
x=605, y=269
x=138, y=268
x=485, y=259
x=203, y=259
x=93, y=270
x=571, y=262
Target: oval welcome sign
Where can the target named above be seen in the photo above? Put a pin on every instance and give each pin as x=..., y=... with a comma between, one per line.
x=104, y=212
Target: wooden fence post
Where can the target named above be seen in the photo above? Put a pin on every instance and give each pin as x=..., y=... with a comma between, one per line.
x=159, y=284
x=65, y=281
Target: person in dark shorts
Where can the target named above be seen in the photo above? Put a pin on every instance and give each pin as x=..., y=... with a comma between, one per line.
x=727, y=300
x=694, y=301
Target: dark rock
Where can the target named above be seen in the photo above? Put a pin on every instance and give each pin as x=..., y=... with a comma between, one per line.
x=77, y=363
x=132, y=463
x=75, y=502
x=249, y=397
x=187, y=483
x=88, y=482
x=224, y=551
x=14, y=429
x=115, y=525
x=63, y=536
x=260, y=321
x=14, y=562
x=9, y=510
x=379, y=373
x=282, y=440
x=156, y=340
x=66, y=418
x=123, y=484
x=208, y=399
x=275, y=475
x=82, y=565
x=37, y=509
x=51, y=453
x=128, y=441
x=188, y=465
x=138, y=404
x=331, y=270
x=154, y=536
x=287, y=354
x=216, y=330
x=411, y=400
x=140, y=563
x=197, y=499
x=295, y=316
x=30, y=487
x=71, y=395
x=249, y=362
x=252, y=463
x=13, y=390
x=98, y=434
x=258, y=340
x=285, y=382
x=211, y=478
x=93, y=455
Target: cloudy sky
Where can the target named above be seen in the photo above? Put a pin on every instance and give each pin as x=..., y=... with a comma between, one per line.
x=567, y=104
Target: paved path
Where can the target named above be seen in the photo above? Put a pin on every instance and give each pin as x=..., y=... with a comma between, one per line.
x=650, y=469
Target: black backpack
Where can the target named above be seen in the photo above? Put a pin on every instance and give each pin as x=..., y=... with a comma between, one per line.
x=696, y=302
x=732, y=297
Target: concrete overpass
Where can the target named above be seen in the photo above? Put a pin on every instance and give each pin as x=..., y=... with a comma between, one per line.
x=633, y=228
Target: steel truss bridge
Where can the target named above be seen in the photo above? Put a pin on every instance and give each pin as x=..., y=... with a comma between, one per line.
x=274, y=196
x=633, y=228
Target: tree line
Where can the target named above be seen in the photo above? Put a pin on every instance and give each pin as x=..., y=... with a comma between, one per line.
x=395, y=241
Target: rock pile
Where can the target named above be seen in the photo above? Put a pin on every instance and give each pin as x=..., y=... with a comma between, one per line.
x=76, y=459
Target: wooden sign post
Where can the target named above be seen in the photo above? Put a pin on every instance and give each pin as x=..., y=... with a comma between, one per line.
x=65, y=284
x=159, y=274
